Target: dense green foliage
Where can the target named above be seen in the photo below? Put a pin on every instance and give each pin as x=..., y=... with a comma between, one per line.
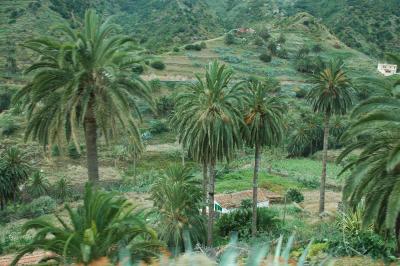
x=178, y=199
x=93, y=230
x=239, y=221
x=14, y=171
x=375, y=175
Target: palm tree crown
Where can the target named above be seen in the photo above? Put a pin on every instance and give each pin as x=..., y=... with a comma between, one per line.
x=82, y=79
x=332, y=92
x=208, y=115
x=264, y=118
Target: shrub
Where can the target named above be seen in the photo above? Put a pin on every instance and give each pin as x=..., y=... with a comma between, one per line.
x=176, y=49
x=300, y=92
x=203, y=45
x=73, y=152
x=158, y=64
x=316, y=249
x=281, y=39
x=62, y=189
x=265, y=57
x=38, y=207
x=317, y=48
x=137, y=69
x=55, y=151
x=294, y=195
x=8, y=124
x=38, y=185
x=158, y=126
x=310, y=64
x=5, y=101
x=193, y=47
x=165, y=105
x=303, y=51
x=258, y=41
x=282, y=53
x=272, y=47
x=264, y=34
x=240, y=221
x=231, y=59
x=155, y=85
x=229, y=39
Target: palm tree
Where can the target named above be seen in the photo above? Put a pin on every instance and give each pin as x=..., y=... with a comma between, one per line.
x=82, y=79
x=375, y=175
x=208, y=118
x=14, y=171
x=264, y=121
x=177, y=199
x=94, y=231
x=332, y=94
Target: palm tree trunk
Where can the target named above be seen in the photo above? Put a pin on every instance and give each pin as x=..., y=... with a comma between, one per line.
x=324, y=162
x=90, y=126
x=211, y=186
x=397, y=231
x=205, y=183
x=183, y=156
x=257, y=159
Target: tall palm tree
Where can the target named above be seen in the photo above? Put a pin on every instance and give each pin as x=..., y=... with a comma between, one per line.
x=332, y=94
x=82, y=79
x=208, y=119
x=264, y=121
x=375, y=174
x=177, y=200
x=95, y=230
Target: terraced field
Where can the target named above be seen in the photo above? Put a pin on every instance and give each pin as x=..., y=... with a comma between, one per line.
x=244, y=57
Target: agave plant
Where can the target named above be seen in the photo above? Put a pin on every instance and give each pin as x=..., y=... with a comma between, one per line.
x=258, y=255
x=93, y=231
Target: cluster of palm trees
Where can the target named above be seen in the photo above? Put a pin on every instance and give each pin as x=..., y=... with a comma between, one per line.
x=216, y=116
x=83, y=79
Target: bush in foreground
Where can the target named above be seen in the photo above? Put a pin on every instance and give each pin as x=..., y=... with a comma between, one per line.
x=94, y=231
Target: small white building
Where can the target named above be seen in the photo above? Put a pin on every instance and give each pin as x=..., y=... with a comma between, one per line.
x=387, y=69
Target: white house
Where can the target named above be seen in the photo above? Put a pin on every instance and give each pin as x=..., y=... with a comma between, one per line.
x=225, y=203
x=387, y=69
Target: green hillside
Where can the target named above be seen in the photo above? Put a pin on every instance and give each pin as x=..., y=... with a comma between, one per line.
x=370, y=26
x=243, y=56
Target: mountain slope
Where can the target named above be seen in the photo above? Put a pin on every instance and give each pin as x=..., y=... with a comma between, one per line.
x=370, y=26
x=299, y=31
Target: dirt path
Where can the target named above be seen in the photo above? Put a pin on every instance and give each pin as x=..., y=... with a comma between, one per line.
x=311, y=201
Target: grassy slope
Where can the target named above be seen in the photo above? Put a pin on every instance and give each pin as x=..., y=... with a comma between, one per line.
x=243, y=58
x=29, y=24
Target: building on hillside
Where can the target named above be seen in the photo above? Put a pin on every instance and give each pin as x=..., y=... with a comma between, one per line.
x=244, y=31
x=387, y=69
x=225, y=203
